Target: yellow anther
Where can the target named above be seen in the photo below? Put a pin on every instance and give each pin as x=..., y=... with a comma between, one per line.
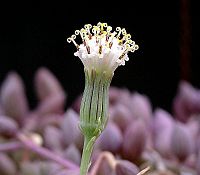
x=105, y=24
x=124, y=31
x=104, y=37
x=130, y=42
x=128, y=36
x=119, y=31
x=104, y=33
x=126, y=39
x=87, y=26
x=73, y=36
x=83, y=33
x=128, y=46
x=77, y=32
x=87, y=29
x=102, y=25
x=133, y=48
x=118, y=28
x=109, y=28
x=96, y=30
x=69, y=40
x=136, y=47
x=99, y=24
x=113, y=34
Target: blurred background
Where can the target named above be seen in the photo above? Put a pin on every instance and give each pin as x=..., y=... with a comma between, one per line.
x=34, y=35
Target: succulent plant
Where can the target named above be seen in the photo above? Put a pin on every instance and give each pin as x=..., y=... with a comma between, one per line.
x=46, y=140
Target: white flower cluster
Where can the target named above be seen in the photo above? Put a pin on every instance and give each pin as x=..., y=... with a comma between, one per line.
x=102, y=49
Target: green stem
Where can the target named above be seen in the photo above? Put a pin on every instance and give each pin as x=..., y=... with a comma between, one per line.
x=86, y=155
x=93, y=112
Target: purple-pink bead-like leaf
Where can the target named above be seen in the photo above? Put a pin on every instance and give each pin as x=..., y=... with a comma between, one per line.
x=8, y=126
x=182, y=144
x=135, y=139
x=124, y=167
x=162, y=126
x=121, y=115
x=111, y=139
x=12, y=97
x=141, y=107
x=7, y=165
x=49, y=91
x=72, y=153
x=46, y=84
x=70, y=128
x=119, y=95
x=52, y=138
x=186, y=102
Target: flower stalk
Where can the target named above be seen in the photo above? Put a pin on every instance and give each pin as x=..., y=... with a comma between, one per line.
x=101, y=52
x=86, y=155
x=93, y=113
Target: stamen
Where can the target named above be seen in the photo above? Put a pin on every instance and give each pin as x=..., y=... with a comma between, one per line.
x=124, y=31
x=129, y=41
x=77, y=32
x=133, y=48
x=83, y=34
x=100, y=49
x=110, y=44
x=123, y=54
x=96, y=31
x=109, y=28
x=126, y=37
x=119, y=30
x=111, y=39
x=97, y=40
x=87, y=28
x=88, y=49
x=72, y=39
x=101, y=26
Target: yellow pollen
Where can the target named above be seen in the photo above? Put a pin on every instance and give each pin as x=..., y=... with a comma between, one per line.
x=102, y=36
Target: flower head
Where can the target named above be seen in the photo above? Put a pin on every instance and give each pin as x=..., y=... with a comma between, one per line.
x=103, y=49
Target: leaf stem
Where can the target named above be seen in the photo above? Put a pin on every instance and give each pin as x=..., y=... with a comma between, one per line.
x=48, y=154
x=11, y=146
